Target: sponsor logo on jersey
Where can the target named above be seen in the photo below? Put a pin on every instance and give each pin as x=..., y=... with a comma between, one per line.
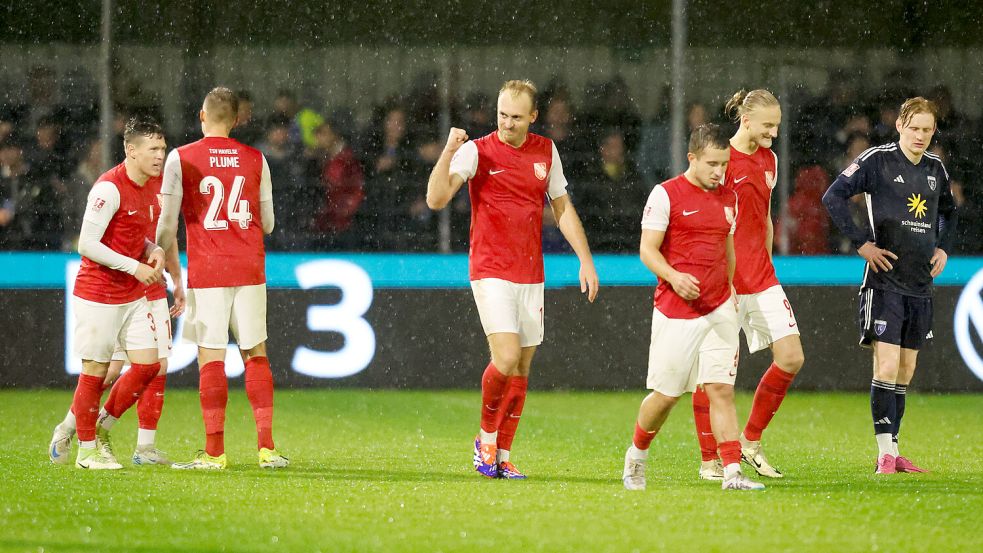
x=880, y=327
x=849, y=171
x=899, y=178
x=916, y=205
x=931, y=183
x=540, y=169
x=737, y=181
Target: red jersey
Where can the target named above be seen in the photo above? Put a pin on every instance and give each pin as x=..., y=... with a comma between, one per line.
x=697, y=223
x=157, y=290
x=509, y=187
x=752, y=177
x=128, y=212
x=219, y=182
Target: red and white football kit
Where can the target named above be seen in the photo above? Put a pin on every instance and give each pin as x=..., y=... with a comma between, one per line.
x=509, y=187
x=221, y=183
x=696, y=341
x=763, y=309
x=110, y=307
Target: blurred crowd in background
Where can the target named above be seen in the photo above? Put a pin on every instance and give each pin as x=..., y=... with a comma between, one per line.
x=345, y=185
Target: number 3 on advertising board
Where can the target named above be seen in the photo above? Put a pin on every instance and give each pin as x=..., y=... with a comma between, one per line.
x=345, y=317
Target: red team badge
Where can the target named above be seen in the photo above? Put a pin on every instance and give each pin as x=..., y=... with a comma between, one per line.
x=540, y=170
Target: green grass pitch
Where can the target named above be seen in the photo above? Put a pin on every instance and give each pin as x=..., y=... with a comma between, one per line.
x=390, y=471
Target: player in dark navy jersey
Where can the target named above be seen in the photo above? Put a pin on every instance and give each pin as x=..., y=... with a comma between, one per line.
x=911, y=218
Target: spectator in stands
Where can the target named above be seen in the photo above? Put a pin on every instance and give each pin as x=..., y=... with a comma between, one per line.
x=342, y=181
x=969, y=202
x=12, y=170
x=248, y=129
x=294, y=195
x=610, y=196
x=78, y=185
x=479, y=114
x=804, y=226
x=389, y=162
x=43, y=201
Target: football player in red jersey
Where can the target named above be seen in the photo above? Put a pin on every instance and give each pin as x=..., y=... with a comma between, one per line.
x=223, y=189
x=510, y=174
x=765, y=313
x=688, y=242
x=118, y=262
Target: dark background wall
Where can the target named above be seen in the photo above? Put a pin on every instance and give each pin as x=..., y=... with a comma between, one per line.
x=432, y=339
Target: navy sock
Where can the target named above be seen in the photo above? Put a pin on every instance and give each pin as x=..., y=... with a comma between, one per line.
x=883, y=406
x=900, y=391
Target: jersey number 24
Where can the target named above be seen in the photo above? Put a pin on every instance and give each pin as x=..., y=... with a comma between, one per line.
x=237, y=209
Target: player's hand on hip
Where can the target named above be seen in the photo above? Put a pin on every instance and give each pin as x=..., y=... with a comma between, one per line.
x=879, y=259
x=589, y=283
x=147, y=274
x=938, y=262
x=455, y=139
x=686, y=285
x=180, y=300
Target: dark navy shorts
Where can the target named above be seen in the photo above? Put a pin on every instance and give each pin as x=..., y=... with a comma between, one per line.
x=894, y=318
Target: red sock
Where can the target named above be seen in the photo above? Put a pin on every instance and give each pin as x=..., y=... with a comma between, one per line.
x=151, y=403
x=768, y=397
x=493, y=385
x=85, y=405
x=515, y=399
x=259, y=390
x=642, y=439
x=213, y=392
x=126, y=391
x=730, y=452
x=704, y=432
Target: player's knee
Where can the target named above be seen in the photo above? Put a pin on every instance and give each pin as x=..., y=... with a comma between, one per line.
x=791, y=361
x=507, y=361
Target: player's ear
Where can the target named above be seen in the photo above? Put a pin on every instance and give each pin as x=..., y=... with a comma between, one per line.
x=898, y=125
x=201, y=116
x=533, y=116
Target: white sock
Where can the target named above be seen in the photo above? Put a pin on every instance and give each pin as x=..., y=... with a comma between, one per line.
x=894, y=446
x=69, y=422
x=732, y=470
x=87, y=445
x=503, y=455
x=638, y=454
x=885, y=445
x=488, y=437
x=146, y=438
x=106, y=420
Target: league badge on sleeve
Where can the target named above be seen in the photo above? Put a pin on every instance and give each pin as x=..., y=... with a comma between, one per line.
x=540, y=169
x=98, y=204
x=931, y=183
x=849, y=171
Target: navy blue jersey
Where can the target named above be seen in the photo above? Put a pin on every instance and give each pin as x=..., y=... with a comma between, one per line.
x=909, y=208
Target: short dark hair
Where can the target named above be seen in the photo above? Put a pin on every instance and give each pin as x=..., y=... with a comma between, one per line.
x=141, y=126
x=244, y=95
x=707, y=135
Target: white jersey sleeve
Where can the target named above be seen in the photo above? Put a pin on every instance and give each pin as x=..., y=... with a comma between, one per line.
x=171, y=184
x=556, y=181
x=103, y=203
x=266, y=197
x=656, y=214
x=465, y=161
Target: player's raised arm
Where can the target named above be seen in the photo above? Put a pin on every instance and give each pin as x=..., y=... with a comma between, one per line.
x=444, y=180
x=171, y=193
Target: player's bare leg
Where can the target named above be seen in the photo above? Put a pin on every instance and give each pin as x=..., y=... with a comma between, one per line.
x=883, y=403
x=510, y=412
x=259, y=391
x=906, y=371
x=652, y=414
x=788, y=359
x=723, y=418
x=149, y=408
x=506, y=355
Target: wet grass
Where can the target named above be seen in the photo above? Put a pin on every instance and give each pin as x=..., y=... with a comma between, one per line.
x=390, y=471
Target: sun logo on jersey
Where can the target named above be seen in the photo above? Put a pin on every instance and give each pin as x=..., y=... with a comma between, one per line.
x=917, y=205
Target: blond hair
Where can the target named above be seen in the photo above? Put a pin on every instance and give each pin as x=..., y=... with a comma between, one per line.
x=221, y=104
x=520, y=86
x=744, y=102
x=916, y=105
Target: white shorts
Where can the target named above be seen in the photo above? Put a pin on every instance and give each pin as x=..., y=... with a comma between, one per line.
x=212, y=312
x=766, y=317
x=505, y=306
x=100, y=327
x=688, y=352
x=162, y=319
